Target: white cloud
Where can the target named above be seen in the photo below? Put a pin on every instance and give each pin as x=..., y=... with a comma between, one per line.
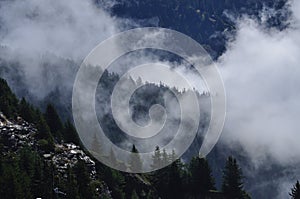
x=68, y=29
x=261, y=72
x=42, y=35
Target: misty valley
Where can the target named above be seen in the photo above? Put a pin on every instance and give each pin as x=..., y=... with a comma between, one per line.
x=86, y=112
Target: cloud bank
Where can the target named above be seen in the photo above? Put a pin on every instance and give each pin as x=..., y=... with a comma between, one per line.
x=68, y=29
x=42, y=37
x=261, y=73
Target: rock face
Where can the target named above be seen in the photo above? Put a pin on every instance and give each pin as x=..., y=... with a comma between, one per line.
x=67, y=155
x=3, y=120
x=15, y=135
x=18, y=134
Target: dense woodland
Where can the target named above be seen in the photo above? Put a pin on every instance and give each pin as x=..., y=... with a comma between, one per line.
x=206, y=21
x=24, y=173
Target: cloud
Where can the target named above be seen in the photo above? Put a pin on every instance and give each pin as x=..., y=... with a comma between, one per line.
x=42, y=37
x=68, y=29
x=261, y=73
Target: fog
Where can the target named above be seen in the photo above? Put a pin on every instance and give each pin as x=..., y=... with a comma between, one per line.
x=42, y=37
x=261, y=74
x=47, y=40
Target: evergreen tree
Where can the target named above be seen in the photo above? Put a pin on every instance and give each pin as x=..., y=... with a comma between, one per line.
x=175, y=180
x=172, y=157
x=70, y=133
x=96, y=146
x=114, y=179
x=135, y=160
x=112, y=157
x=156, y=159
x=14, y=182
x=71, y=185
x=200, y=178
x=134, y=195
x=27, y=112
x=44, y=134
x=295, y=191
x=165, y=157
x=9, y=102
x=232, y=186
x=46, y=186
x=83, y=180
x=150, y=195
x=162, y=186
x=53, y=121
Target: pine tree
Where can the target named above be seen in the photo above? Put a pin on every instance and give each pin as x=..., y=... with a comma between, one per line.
x=53, y=121
x=172, y=175
x=150, y=195
x=70, y=133
x=173, y=157
x=9, y=101
x=71, y=185
x=83, y=180
x=165, y=157
x=115, y=181
x=200, y=178
x=134, y=195
x=44, y=134
x=46, y=187
x=295, y=191
x=175, y=180
x=96, y=146
x=14, y=182
x=156, y=159
x=113, y=158
x=135, y=160
x=232, y=186
x=27, y=112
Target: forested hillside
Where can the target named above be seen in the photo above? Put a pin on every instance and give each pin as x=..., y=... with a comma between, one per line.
x=42, y=157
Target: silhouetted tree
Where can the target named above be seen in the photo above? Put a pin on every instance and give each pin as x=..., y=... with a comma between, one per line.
x=200, y=178
x=232, y=186
x=44, y=134
x=70, y=133
x=156, y=159
x=53, y=121
x=83, y=180
x=134, y=195
x=175, y=180
x=135, y=160
x=8, y=100
x=96, y=146
x=295, y=191
x=27, y=112
x=71, y=185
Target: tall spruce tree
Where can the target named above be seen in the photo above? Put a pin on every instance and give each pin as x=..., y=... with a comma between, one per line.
x=53, y=121
x=83, y=180
x=233, y=187
x=295, y=191
x=175, y=180
x=44, y=134
x=71, y=185
x=96, y=146
x=156, y=159
x=134, y=195
x=70, y=133
x=135, y=160
x=27, y=112
x=200, y=178
x=8, y=100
